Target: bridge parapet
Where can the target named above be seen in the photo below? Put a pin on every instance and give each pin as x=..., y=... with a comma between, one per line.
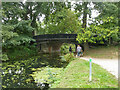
x=55, y=36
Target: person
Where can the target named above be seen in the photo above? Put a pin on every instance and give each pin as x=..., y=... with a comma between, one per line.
x=79, y=50
x=70, y=49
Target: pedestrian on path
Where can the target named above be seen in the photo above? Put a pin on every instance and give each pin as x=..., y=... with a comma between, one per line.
x=79, y=50
x=70, y=49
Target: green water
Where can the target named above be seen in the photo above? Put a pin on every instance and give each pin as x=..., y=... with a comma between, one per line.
x=17, y=73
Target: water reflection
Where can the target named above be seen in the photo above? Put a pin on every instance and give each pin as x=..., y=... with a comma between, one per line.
x=16, y=74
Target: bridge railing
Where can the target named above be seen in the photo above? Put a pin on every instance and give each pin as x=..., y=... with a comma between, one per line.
x=49, y=36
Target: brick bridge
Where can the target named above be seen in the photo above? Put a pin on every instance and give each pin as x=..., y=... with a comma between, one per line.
x=52, y=42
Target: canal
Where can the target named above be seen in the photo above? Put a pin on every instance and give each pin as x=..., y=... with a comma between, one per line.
x=35, y=72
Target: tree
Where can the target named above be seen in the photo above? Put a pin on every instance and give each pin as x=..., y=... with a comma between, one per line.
x=19, y=23
x=109, y=18
x=109, y=22
x=95, y=33
x=11, y=12
x=16, y=38
x=64, y=21
x=16, y=11
x=82, y=8
x=55, y=8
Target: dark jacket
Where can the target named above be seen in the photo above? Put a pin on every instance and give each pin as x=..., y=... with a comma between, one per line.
x=70, y=49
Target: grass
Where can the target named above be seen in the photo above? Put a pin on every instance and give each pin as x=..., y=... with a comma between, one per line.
x=76, y=75
x=106, y=52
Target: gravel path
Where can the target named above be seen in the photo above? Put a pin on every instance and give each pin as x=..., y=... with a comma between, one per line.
x=110, y=65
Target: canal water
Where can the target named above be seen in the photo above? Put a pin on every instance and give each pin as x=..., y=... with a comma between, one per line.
x=18, y=73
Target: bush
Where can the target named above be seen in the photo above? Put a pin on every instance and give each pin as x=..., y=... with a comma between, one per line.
x=4, y=57
x=65, y=48
x=69, y=57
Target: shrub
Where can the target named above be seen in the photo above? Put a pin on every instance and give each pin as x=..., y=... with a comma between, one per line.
x=69, y=57
x=4, y=57
x=65, y=48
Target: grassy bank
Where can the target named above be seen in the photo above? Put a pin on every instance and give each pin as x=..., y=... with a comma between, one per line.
x=76, y=75
x=108, y=52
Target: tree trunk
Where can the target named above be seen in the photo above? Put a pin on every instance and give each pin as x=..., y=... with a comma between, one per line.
x=110, y=40
x=84, y=15
x=86, y=46
x=33, y=24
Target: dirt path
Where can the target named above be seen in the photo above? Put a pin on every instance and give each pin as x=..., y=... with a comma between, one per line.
x=110, y=65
